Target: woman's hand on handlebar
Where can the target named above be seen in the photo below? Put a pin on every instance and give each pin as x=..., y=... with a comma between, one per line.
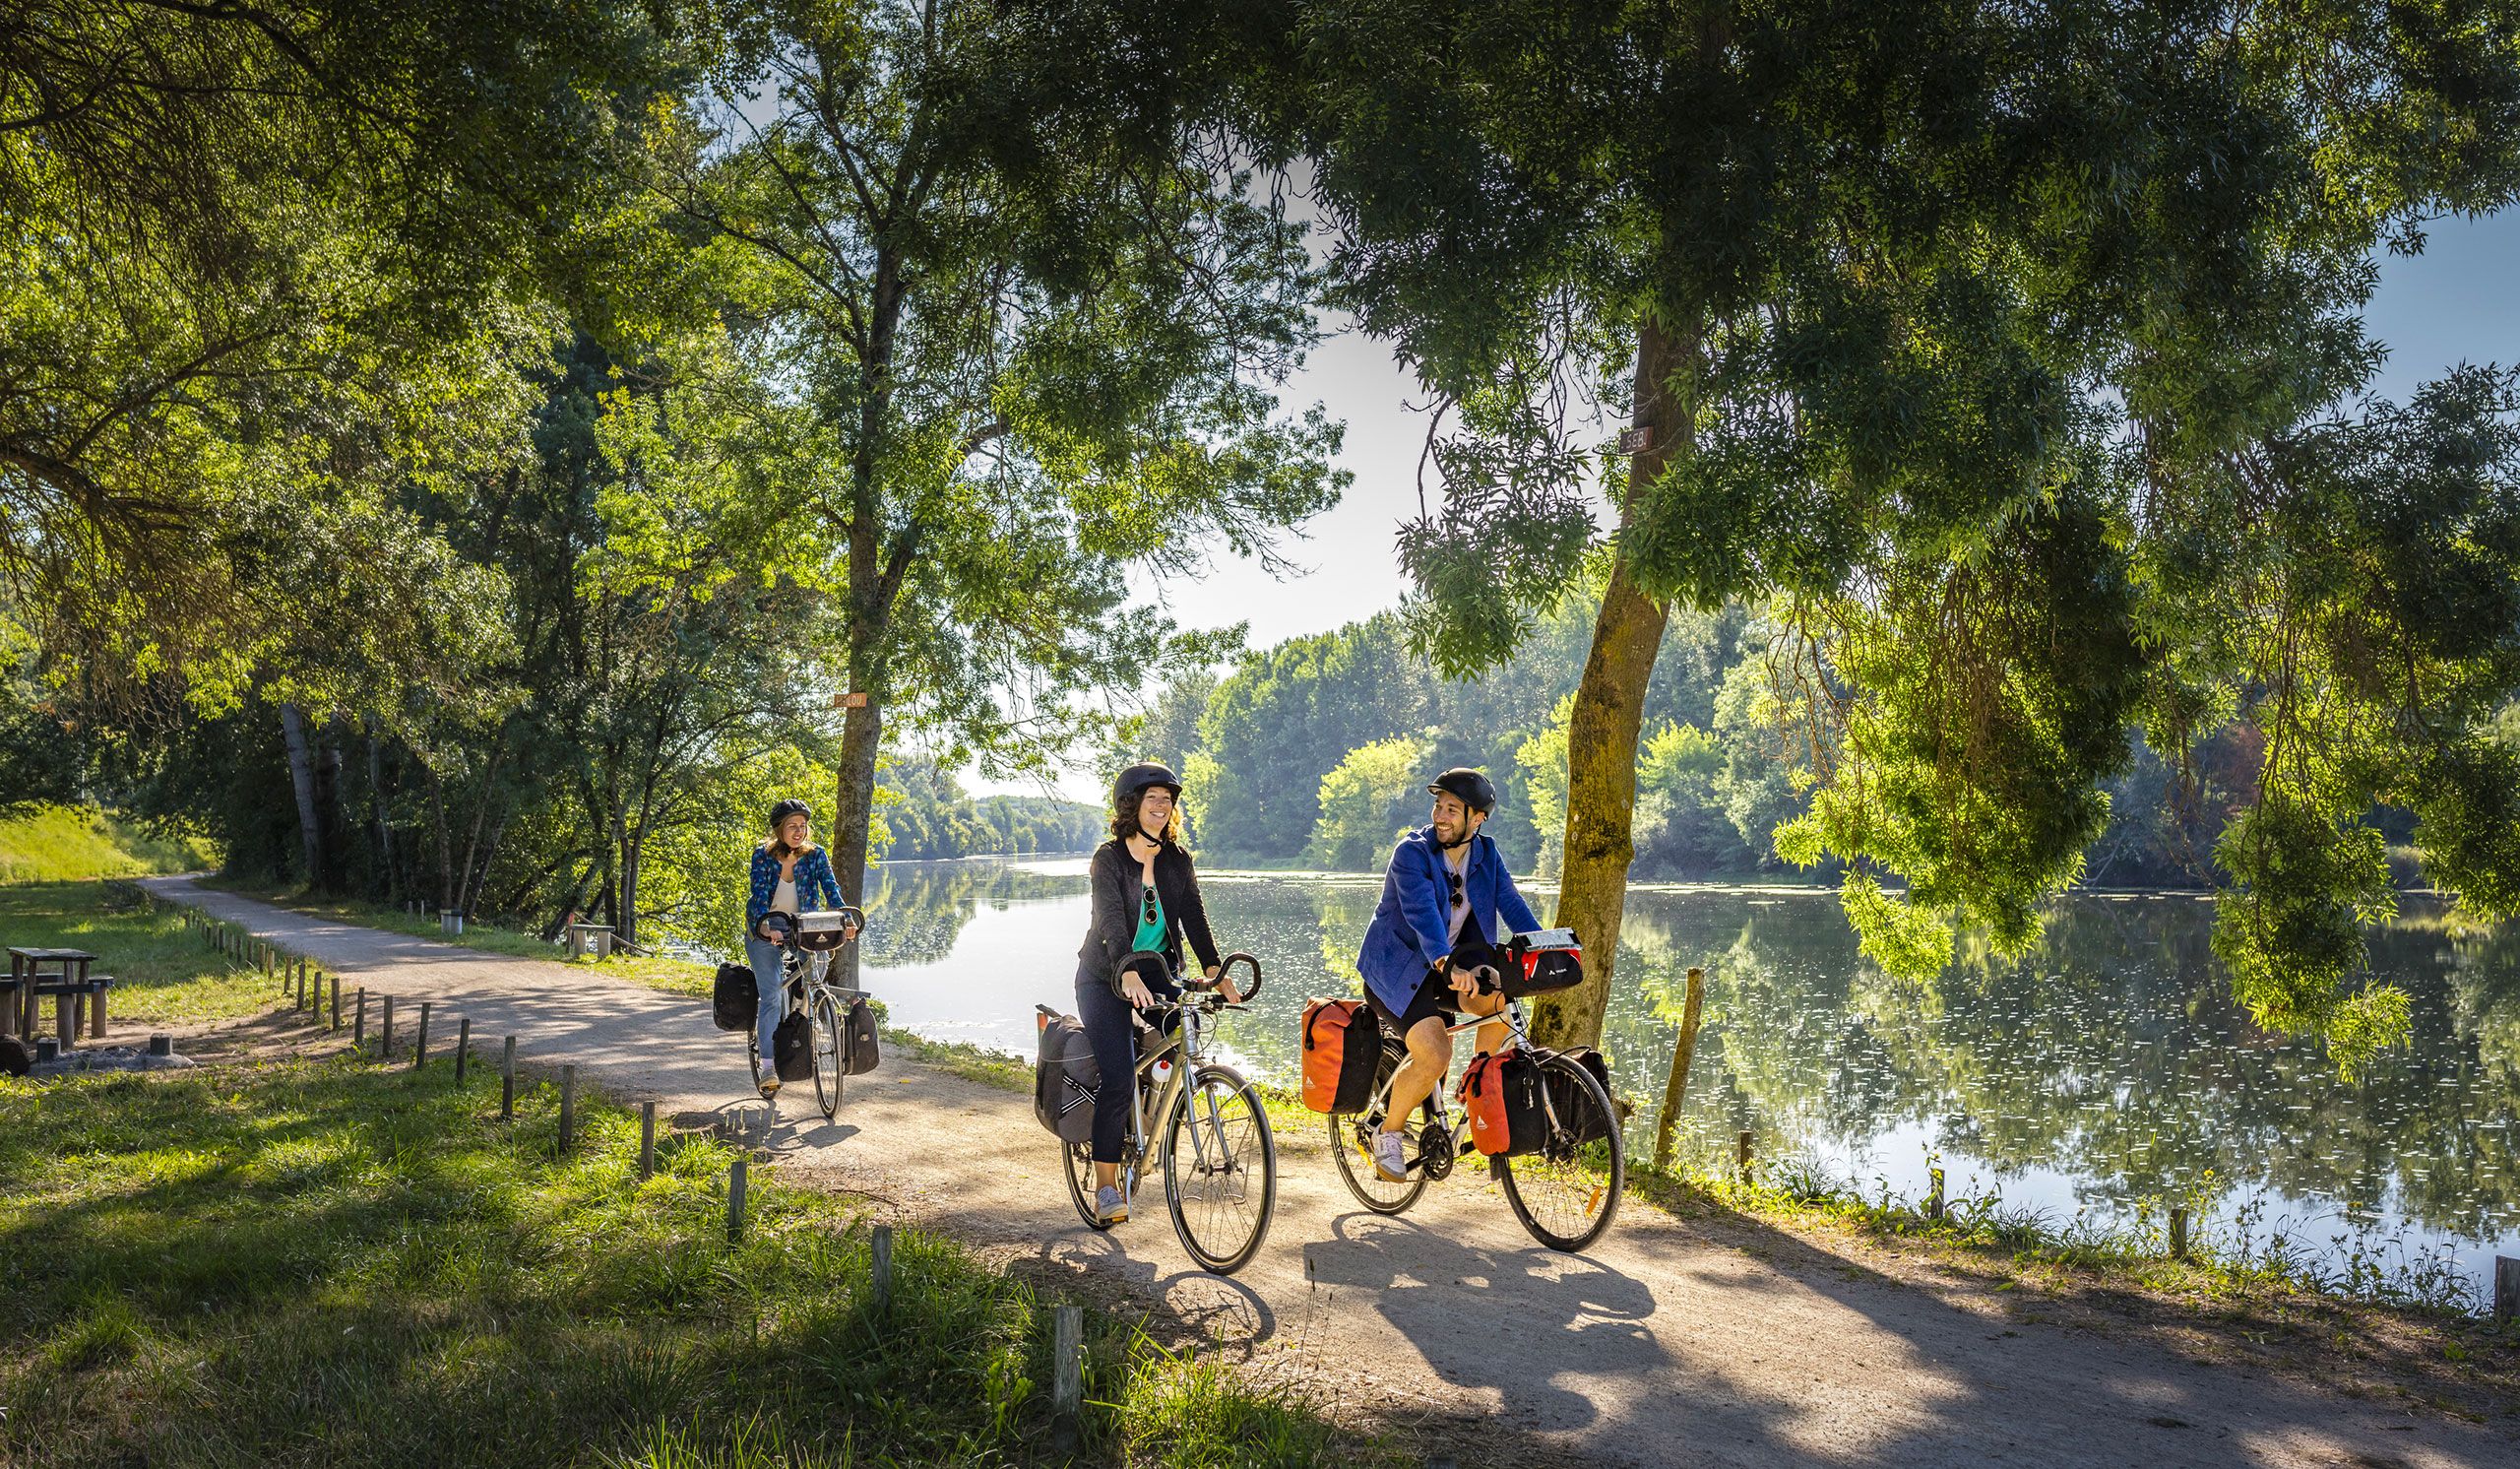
x=1134, y=990
x=1225, y=986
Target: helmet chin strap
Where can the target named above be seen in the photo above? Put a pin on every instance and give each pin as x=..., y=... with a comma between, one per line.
x=1466, y=834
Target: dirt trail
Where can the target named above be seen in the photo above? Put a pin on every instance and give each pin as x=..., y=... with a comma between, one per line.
x=1661, y=1346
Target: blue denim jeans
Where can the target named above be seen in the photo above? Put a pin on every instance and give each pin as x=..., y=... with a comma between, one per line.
x=772, y=1006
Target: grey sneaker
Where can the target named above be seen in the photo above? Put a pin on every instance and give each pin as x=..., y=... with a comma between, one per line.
x=1109, y=1206
x=768, y=1086
x=1389, y=1160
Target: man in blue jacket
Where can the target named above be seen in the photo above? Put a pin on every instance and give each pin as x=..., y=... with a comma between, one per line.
x=1442, y=897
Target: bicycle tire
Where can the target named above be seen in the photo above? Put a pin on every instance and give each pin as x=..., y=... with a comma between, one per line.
x=1350, y=1137
x=1186, y=1128
x=1077, y=1159
x=831, y=1066
x=1594, y=1171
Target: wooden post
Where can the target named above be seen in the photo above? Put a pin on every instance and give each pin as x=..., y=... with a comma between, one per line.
x=1934, y=1196
x=507, y=1080
x=735, y=1202
x=2506, y=1287
x=568, y=1107
x=1675, y=1091
x=646, y=1141
x=1067, y=1375
x=2179, y=1234
x=881, y=1274
x=336, y=1001
x=358, y=1030
x=462, y=1048
x=385, y=1050
x=420, y=1045
x=1741, y=1155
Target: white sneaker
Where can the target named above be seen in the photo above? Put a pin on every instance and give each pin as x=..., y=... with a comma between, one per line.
x=768, y=1086
x=1389, y=1159
x=1109, y=1206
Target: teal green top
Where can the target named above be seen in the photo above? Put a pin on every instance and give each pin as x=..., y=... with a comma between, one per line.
x=1149, y=930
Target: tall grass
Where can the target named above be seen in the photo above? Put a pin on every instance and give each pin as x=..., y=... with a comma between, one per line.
x=324, y=1263
x=62, y=844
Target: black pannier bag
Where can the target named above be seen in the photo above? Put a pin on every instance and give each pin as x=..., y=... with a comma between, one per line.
x=734, y=1001
x=1542, y=963
x=1066, y=1078
x=1575, y=1110
x=792, y=1047
x=861, y=1053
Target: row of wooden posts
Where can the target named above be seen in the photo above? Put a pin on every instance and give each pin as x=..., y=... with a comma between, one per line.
x=303, y=980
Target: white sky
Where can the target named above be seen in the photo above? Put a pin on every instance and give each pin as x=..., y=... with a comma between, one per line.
x=2457, y=303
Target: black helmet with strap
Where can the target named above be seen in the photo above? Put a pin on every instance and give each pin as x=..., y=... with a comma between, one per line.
x=792, y=807
x=1476, y=791
x=1141, y=778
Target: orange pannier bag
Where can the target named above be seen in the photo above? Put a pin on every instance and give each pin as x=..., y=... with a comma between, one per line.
x=1502, y=1092
x=1342, y=1042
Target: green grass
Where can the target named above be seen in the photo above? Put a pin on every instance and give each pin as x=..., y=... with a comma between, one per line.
x=323, y=1263
x=64, y=844
x=163, y=972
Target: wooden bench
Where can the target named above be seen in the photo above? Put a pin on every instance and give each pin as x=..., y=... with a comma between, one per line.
x=68, y=996
x=583, y=937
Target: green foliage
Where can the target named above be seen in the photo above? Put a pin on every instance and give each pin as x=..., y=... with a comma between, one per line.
x=1367, y=801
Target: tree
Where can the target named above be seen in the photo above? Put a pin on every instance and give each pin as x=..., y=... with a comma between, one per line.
x=1367, y=803
x=1964, y=336
x=1003, y=318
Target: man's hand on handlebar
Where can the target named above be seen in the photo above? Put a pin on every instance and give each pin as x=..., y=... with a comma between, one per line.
x=1465, y=982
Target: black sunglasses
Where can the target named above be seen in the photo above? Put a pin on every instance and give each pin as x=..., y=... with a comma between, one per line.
x=1455, y=879
x=1149, y=904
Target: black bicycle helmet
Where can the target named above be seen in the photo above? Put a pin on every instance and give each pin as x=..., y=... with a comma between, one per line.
x=1476, y=791
x=792, y=807
x=1145, y=777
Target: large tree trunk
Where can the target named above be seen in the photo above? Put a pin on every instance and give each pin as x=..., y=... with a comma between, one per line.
x=853, y=813
x=384, y=831
x=1602, y=729
x=301, y=777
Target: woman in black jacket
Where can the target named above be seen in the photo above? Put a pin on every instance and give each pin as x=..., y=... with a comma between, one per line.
x=1146, y=896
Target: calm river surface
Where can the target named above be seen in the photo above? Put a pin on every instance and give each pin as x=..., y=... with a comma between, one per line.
x=2105, y=1070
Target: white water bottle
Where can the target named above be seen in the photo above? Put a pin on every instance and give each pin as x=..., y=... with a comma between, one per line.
x=1162, y=1071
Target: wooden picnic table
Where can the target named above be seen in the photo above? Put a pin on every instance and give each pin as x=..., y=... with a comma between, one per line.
x=62, y=973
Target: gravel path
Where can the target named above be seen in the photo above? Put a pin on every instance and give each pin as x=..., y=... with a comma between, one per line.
x=1663, y=1346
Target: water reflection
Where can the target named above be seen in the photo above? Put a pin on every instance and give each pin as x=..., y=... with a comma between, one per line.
x=2105, y=1070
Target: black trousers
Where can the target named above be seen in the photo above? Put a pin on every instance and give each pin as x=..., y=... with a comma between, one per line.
x=1110, y=1027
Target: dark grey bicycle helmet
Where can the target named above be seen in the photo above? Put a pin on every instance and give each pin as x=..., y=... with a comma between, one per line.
x=1144, y=777
x=1475, y=790
x=792, y=807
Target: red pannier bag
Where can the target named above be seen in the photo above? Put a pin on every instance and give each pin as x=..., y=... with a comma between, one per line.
x=1342, y=1042
x=1502, y=1092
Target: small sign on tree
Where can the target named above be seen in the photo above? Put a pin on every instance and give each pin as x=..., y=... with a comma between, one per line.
x=851, y=701
x=1636, y=440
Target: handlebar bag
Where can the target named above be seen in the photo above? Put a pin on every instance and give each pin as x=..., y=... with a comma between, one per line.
x=858, y=1046
x=1502, y=1092
x=1342, y=1042
x=820, y=930
x=1065, y=1079
x=1550, y=960
x=734, y=999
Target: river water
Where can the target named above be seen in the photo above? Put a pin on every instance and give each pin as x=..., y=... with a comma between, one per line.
x=2097, y=1079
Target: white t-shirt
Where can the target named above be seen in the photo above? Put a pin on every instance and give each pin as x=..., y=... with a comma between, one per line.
x=782, y=898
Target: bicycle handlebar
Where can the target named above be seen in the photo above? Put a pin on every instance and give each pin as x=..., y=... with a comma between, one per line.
x=1226, y=968
x=1162, y=966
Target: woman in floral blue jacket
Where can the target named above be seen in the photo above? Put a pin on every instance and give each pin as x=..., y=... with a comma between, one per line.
x=789, y=873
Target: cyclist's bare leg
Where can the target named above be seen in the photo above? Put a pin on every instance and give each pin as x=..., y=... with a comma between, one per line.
x=1106, y=1175
x=1491, y=1038
x=1430, y=1053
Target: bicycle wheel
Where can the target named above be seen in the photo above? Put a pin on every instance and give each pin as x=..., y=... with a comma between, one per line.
x=1219, y=1170
x=828, y=1062
x=1567, y=1193
x=1351, y=1138
x=1077, y=1159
